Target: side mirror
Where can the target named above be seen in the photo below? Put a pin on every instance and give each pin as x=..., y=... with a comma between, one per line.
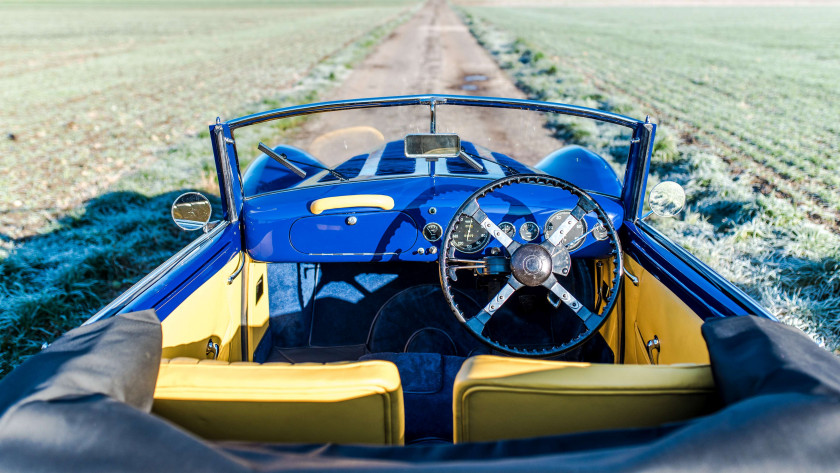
x=667, y=199
x=191, y=211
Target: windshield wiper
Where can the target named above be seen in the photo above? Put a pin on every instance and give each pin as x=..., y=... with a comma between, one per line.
x=473, y=157
x=290, y=163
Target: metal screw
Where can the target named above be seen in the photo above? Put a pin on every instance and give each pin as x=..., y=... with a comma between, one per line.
x=351, y=220
x=432, y=250
x=421, y=251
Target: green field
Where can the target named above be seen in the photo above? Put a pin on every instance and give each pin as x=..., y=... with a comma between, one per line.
x=109, y=105
x=91, y=91
x=746, y=99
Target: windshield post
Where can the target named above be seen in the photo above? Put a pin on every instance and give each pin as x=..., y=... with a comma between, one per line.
x=638, y=164
x=224, y=147
x=433, y=116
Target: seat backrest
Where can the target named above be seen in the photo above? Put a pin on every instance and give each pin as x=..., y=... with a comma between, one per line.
x=354, y=402
x=502, y=398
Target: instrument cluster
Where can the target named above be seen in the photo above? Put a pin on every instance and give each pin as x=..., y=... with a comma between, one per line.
x=470, y=237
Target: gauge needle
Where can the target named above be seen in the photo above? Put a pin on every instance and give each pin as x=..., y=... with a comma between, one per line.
x=469, y=231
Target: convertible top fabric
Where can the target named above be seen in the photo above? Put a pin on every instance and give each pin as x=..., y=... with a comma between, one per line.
x=83, y=404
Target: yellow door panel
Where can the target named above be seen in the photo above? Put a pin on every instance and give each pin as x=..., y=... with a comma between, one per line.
x=211, y=311
x=257, y=305
x=652, y=310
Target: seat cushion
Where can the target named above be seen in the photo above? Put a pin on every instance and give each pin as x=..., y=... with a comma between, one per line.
x=502, y=398
x=352, y=402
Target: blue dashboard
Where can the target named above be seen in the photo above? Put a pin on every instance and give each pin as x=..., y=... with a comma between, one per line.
x=280, y=226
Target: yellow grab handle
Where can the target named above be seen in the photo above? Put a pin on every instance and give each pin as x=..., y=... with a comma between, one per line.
x=384, y=202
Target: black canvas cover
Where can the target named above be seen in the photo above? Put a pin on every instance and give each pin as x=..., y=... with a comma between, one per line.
x=83, y=404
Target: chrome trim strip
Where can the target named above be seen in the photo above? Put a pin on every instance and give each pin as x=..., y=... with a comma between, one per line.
x=372, y=163
x=462, y=100
x=243, y=317
x=706, y=272
x=493, y=169
x=351, y=254
x=131, y=293
x=307, y=183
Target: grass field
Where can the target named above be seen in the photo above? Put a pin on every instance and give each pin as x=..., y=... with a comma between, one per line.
x=746, y=99
x=89, y=91
x=111, y=108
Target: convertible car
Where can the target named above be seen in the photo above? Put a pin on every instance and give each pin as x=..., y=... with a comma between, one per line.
x=428, y=282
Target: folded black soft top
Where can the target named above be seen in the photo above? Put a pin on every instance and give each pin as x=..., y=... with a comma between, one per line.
x=83, y=404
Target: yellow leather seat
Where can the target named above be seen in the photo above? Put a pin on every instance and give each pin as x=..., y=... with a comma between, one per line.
x=354, y=402
x=502, y=398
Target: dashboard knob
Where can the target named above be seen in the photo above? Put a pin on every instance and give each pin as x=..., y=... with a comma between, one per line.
x=421, y=251
x=351, y=220
x=432, y=250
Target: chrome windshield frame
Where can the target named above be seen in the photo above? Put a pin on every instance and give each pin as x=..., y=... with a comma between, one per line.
x=641, y=144
x=431, y=101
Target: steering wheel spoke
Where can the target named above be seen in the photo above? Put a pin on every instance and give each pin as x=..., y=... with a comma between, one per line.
x=478, y=322
x=474, y=211
x=590, y=320
x=583, y=207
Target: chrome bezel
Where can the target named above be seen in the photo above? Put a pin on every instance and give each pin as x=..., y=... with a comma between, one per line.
x=440, y=234
x=522, y=231
x=485, y=240
x=582, y=221
x=504, y=225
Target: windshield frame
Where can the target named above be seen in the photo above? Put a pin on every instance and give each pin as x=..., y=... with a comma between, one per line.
x=641, y=142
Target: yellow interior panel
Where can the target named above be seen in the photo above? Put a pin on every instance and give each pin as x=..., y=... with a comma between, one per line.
x=211, y=311
x=611, y=330
x=351, y=402
x=652, y=310
x=501, y=398
x=257, y=309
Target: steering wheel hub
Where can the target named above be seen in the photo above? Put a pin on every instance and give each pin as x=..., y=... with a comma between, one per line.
x=531, y=264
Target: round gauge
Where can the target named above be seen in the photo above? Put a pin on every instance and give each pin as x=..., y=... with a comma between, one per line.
x=529, y=231
x=432, y=232
x=508, y=228
x=600, y=232
x=579, y=229
x=469, y=237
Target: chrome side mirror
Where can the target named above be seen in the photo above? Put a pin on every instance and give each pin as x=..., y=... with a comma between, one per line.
x=191, y=211
x=667, y=199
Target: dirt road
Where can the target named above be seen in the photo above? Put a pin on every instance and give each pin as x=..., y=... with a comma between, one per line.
x=433, y=52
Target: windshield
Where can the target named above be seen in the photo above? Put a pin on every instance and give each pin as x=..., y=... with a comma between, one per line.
x=346, y=146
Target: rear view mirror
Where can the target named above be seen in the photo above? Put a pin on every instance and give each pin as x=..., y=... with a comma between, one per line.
x=432, y=146
x=191, y=211
x=667, y=199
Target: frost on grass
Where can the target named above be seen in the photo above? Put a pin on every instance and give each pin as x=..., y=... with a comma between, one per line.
x=92, y=97
x=51, y=282
x=764, y=244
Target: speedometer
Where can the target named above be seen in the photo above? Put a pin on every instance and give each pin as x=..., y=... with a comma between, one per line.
x=579, y=229
x=469, y=237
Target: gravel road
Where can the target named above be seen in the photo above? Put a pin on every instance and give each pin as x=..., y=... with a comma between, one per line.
x=433, y=52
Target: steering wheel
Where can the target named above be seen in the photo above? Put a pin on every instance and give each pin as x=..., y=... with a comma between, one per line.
x=530, y=265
